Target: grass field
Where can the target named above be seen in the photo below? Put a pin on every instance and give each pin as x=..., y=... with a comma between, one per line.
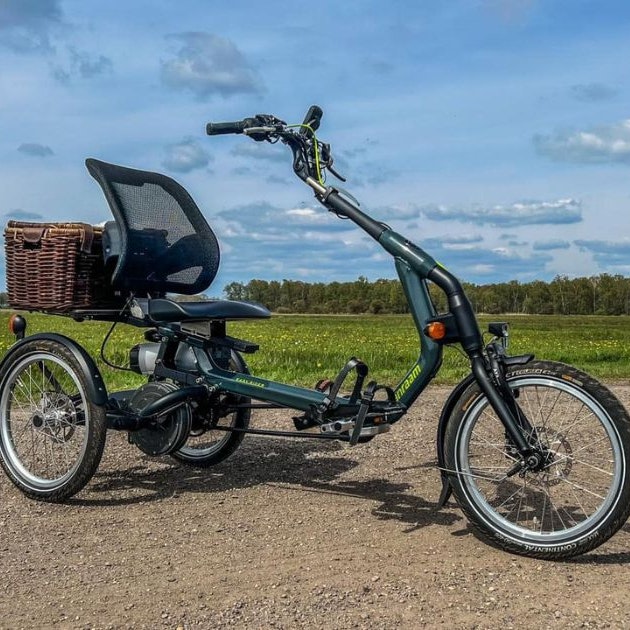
x=301, y=349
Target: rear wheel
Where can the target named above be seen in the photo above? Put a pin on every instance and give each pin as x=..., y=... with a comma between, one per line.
x=207, y=447
x=578, y=498
x=51, y=434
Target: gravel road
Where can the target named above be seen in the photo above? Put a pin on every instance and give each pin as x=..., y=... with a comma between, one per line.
x=287, y=534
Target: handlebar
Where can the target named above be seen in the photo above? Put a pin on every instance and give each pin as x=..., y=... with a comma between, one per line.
x=310, y=156
x=217, y=129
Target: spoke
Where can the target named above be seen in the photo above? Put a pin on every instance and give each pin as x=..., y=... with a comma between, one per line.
x=64, y=450
x=519, y=489
x=553, y=508
x=33, y=446
x=520, y=503
x=27, y=390
x=591, y=444
x=493, y=446
x=579, y=487
x=541, y=404
x=576, y=419
x=33, y=387
x=27, y=425
x=564, y=458
x=564, y=411
x=577, y=498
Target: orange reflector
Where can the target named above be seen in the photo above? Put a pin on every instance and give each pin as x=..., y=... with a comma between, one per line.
x=12, y=322
x=435, y=330
x=17, y=325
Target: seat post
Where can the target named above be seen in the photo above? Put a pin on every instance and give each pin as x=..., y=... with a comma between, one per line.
x=218, y=328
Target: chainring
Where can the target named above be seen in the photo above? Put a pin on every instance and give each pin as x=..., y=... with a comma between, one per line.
x=167, y=433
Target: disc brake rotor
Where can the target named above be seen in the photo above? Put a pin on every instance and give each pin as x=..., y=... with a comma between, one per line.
x=559, y=458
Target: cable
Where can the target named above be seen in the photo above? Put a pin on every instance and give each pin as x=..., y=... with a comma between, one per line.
x=107, y=336
x=318, y=169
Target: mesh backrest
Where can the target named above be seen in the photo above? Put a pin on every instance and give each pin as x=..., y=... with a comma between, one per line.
x=166, y=244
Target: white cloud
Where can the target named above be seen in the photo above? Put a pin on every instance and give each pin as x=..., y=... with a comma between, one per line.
x=602, y=144
x=26, y=25
x=593, y=92
x=35, y=149
x=302, y=212
x=86, y=65
x=550, y=245
x=557, y=212
x=397, y=213
x=185, y=156
x=23, y=215
x=263, y=151
x=607, y=251
x=207, y=64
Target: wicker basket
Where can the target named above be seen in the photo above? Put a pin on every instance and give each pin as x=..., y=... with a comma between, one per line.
x=56, y=267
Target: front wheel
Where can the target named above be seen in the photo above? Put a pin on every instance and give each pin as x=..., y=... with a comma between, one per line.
x=581, y=495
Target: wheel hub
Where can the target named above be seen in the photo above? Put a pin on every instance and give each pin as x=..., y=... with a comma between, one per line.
x=56, y=418
x=37, y=421
x=555, y=458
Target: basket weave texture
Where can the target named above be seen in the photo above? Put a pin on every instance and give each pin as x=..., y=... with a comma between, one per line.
x=56, y=267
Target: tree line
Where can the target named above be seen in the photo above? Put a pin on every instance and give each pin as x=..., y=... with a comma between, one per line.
x=598, y=295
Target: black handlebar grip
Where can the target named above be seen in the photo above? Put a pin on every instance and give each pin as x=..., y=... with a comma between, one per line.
x=313, y=117
x=217, y=129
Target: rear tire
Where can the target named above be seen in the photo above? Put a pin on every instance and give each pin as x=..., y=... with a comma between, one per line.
x=51, y=435
x=579, y=499
x=212, y=447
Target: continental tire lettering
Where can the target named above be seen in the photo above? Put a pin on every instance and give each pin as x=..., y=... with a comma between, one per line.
x=534, y=371
x=406, y=384
x=560, y=549
x=550, y=549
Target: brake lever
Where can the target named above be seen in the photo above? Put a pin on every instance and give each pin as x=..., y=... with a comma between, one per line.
x=341, y=178
x=251, y=131
x=327, y=160
x=267, y=124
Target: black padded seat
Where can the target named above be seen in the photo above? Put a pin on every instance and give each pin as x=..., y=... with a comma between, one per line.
x=164, y=310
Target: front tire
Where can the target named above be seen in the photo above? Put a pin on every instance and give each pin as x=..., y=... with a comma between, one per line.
x=579, y=499
x=51, y=435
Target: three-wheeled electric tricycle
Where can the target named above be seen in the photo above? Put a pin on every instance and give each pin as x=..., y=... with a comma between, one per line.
x=535, y=452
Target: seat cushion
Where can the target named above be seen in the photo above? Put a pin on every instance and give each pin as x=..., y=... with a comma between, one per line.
x=164, y=310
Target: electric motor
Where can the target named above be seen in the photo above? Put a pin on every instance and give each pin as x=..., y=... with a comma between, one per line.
x=142, y=357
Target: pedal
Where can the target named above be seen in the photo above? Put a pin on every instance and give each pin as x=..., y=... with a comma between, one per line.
x=337, y=426
x=375, y=430
x=304, y=422
x=340, y=427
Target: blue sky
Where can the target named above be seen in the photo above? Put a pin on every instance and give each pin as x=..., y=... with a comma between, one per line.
x=495, y=133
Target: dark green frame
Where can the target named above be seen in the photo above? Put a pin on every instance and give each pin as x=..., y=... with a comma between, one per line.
x=413, y=265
